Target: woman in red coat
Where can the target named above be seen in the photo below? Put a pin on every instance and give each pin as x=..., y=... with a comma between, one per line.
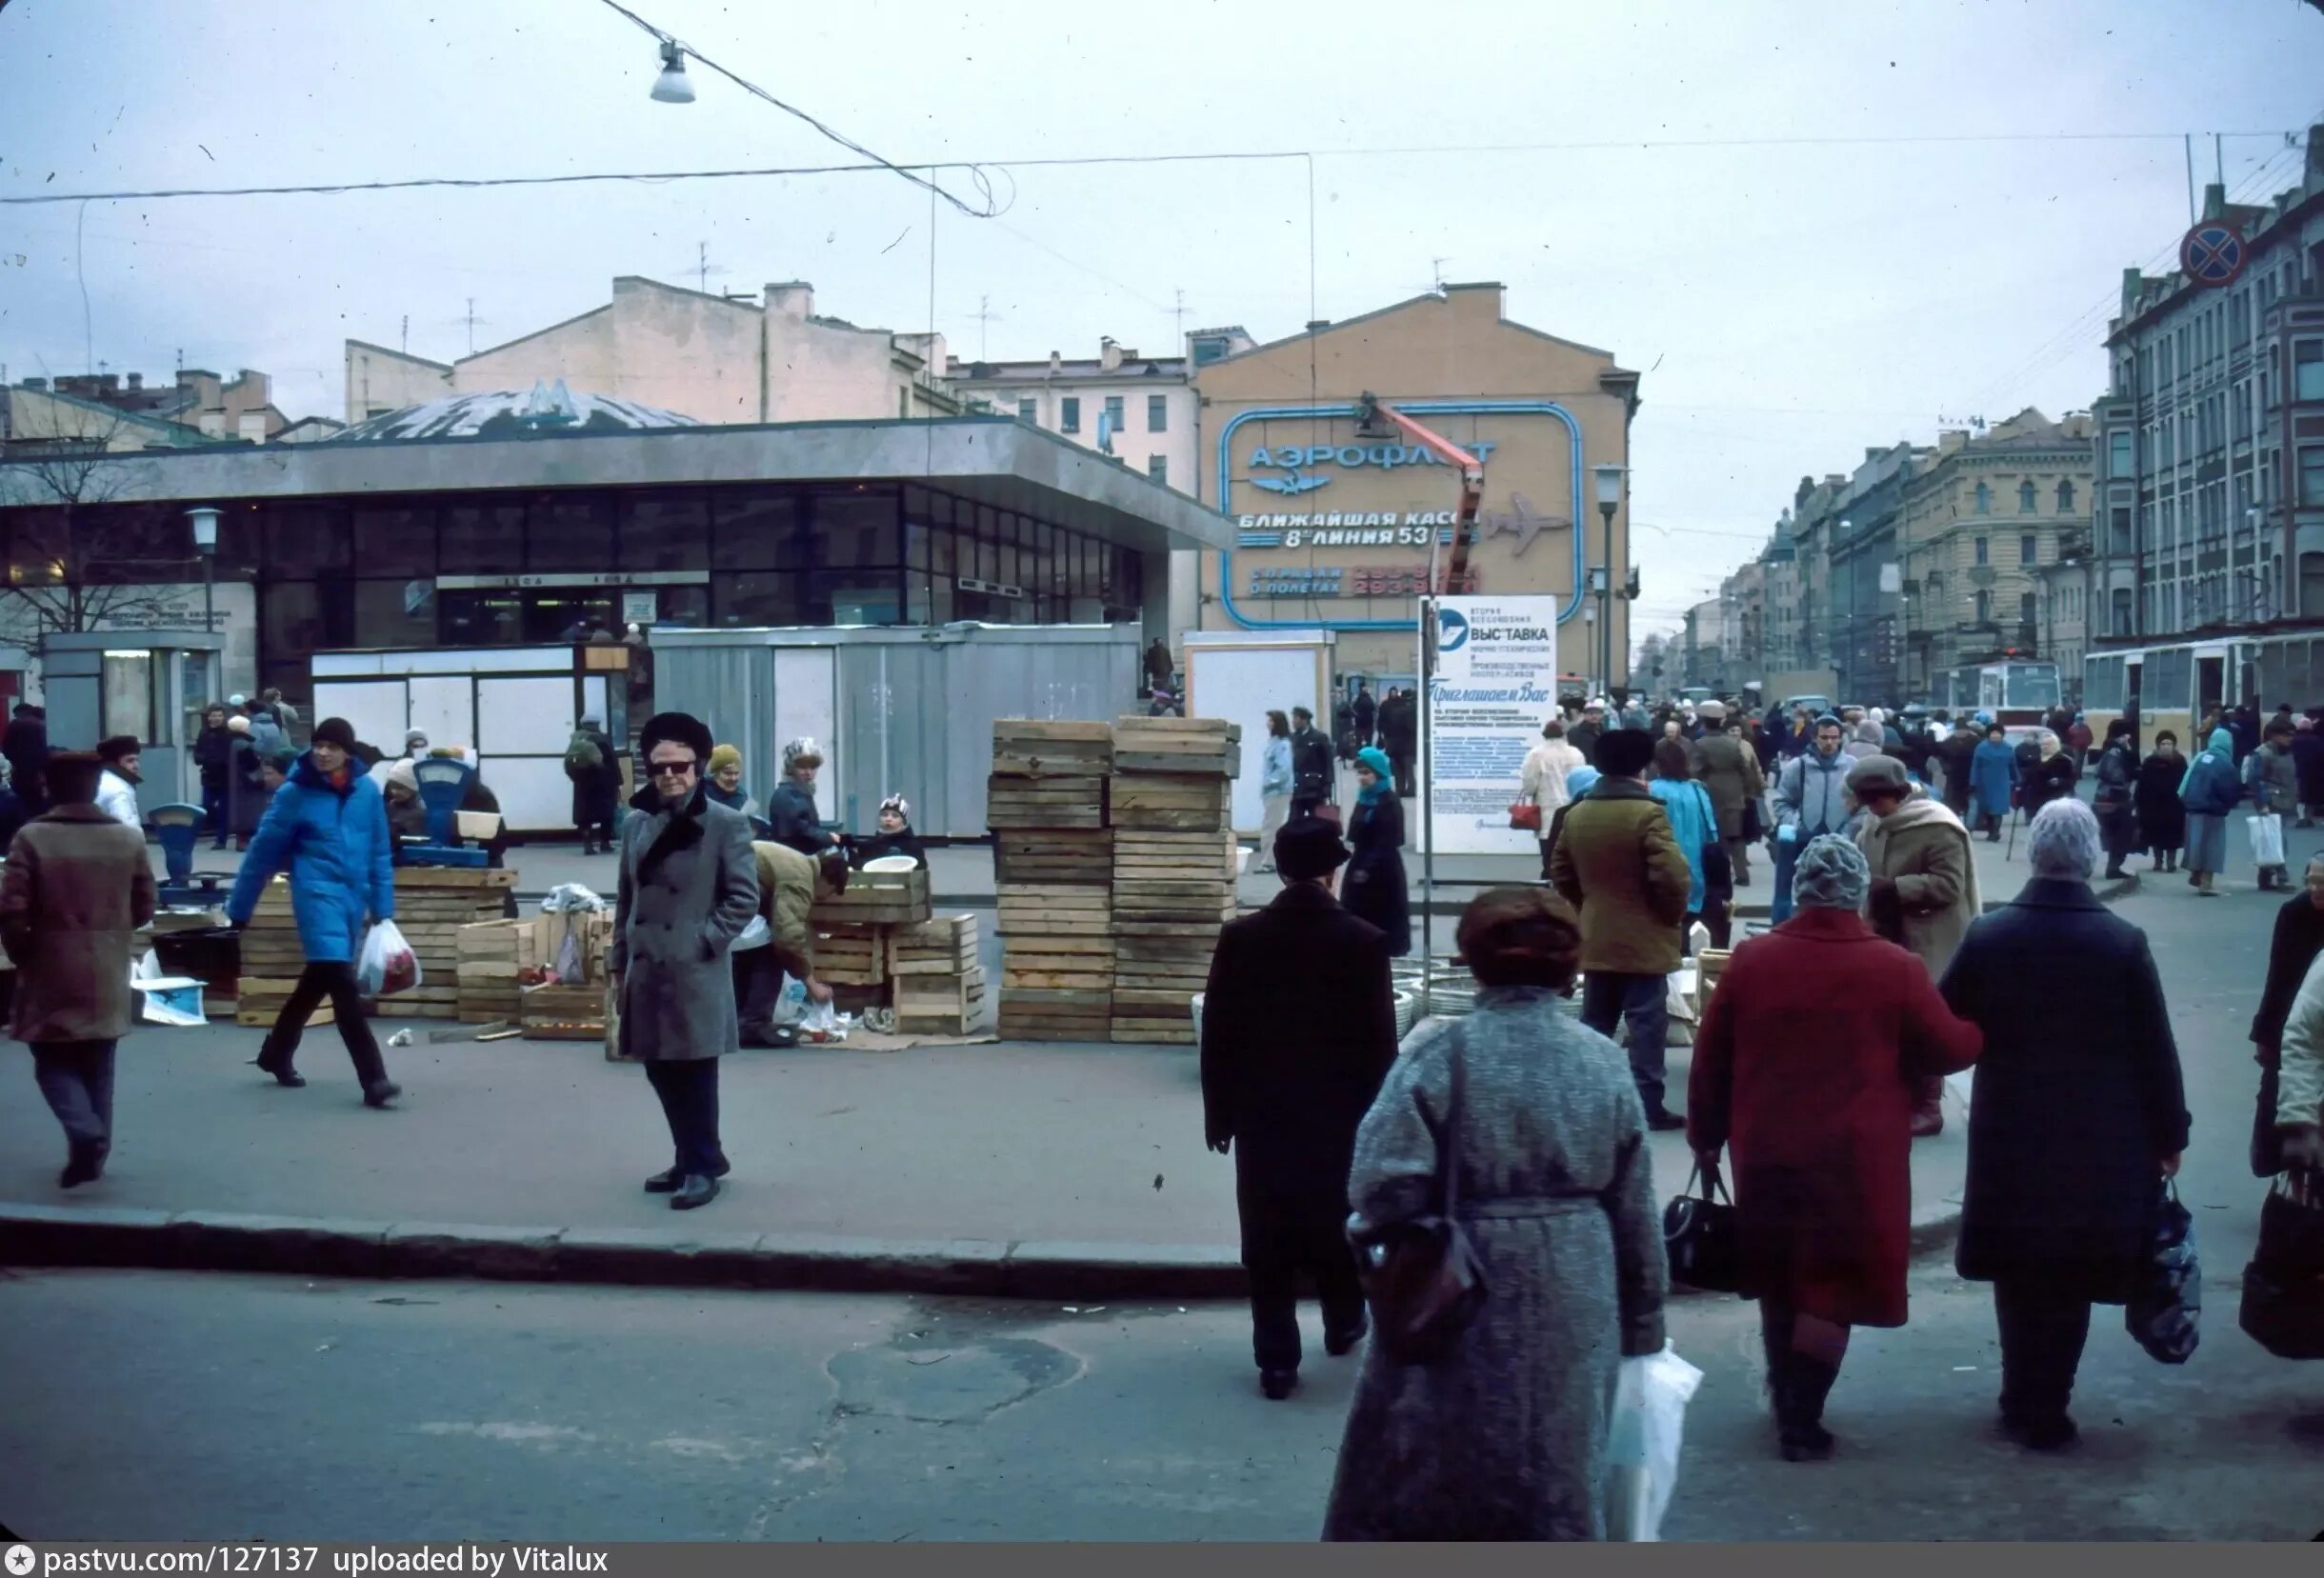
x=1804, y=1063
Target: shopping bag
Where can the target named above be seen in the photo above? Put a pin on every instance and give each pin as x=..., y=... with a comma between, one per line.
x=790, y=1007
x=2164, y=1311
x=2267, y=833
x=386, y=964
x=2283, y=1286
x=1650, y=1411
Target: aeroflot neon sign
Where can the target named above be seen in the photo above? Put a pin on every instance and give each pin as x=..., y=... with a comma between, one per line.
x=1296, y=461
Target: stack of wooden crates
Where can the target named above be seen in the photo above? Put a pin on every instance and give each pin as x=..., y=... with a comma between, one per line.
x=1174, y=866
x=939, y=983
x=434, y=904
x=1053, y=871
x=498, y=955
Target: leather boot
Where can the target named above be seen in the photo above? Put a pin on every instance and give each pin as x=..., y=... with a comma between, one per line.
x=1799, y=1409
x=279, y=1067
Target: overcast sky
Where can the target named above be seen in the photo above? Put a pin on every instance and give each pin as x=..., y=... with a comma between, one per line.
x=1789, y=303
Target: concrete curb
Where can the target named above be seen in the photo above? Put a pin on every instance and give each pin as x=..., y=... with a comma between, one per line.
x=218, y=1241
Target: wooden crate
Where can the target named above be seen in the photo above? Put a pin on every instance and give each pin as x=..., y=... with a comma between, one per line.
x=1208, y=747
x=1054, y=856
x=1149, y=854
x=1169, y=802
x=1029, y=1015
x=939, y=1004
x=876, y=898
x=1029, y=803
x=1035, y=748
x=852, y=955
x=565, y=1013
x=261, y=999
x=946, y=944
x=1069, y=909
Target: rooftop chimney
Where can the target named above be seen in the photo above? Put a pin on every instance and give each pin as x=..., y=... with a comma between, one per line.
x=136, y=380
x=793, y=298
x=1056, y=363
x=1108, y=354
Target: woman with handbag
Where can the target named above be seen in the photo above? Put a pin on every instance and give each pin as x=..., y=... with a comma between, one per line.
x=1812, y=1085
x=1695, y=824
x=1528, y=1126
x=1542, y=785
x=1375, y=890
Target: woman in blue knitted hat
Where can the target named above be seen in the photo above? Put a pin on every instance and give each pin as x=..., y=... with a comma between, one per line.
x=1375, y=888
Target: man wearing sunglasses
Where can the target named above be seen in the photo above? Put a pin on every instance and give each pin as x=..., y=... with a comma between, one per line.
x=689, y=886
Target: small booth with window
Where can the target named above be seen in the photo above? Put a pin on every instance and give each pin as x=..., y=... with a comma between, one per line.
x=152, y=684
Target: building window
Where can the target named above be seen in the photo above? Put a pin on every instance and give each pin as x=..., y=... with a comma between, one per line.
x=1985, y=503
x=1209, y=350
x=903, y=403
x=2307, y=370
x=1985, y=607
x=1069, y=414
x=2025, y=499
x=2029, y=550
x=2025, y=607
x=2118, y=454
x=2122, y=611
x=1114, y=414
x=1982, y=548
x=1157, y=469
x=2311, y=474
x=1157, y=413
x=1029, y=413
x=2065, y=498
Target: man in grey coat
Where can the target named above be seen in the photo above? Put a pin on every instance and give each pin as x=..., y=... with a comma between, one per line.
x=689, y=886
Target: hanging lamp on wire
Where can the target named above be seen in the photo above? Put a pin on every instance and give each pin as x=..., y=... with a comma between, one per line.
x=672, y=85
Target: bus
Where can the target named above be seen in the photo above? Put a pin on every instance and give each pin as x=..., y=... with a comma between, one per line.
x=2176, y=684
x=2019, y=693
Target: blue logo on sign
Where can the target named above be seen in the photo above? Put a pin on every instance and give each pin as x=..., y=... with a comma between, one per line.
x=1452, y=631
x=1297, y=462
x=1294, y=482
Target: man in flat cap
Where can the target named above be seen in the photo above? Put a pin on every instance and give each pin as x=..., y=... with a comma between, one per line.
x=1924, y=886
x=1299, y=1031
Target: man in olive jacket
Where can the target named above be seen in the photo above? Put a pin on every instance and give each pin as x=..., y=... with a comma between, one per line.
x=1619, y=865
x=689, y=886
x=76, y=888
x=1728, y=770
x=788, y=884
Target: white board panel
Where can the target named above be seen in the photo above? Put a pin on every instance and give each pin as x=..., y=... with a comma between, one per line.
x=527, y=716
x=803, y=705
x=534, y=794
x=376, y=708
x=444, y=707
x=1496, y=683
x=346, y=664
x=1240, y=685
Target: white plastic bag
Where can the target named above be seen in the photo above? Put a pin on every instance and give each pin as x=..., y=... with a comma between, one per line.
x=1650, y=1411
x=758, y=935
x=2266, y=839
x=790, y=1006
x=386, y=964
x=821, y=1023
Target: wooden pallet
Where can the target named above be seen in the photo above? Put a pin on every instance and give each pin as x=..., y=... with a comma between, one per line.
x=1045, y=802
x=1034, y=748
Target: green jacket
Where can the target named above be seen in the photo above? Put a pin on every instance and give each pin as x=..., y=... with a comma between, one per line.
x=1619, y=865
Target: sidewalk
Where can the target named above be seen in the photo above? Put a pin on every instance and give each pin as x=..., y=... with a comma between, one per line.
x=1046, y=1172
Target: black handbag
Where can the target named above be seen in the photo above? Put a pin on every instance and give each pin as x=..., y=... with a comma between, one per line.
x=2164, y=1311
x=2283, y=1286
x=1702, y=1235
x=1753, y=829
x=1422, y=1278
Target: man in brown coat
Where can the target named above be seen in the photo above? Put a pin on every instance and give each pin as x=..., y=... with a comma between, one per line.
x=76, y=888
x=1923, y=888
x=1619, y=865
x=1729, y=769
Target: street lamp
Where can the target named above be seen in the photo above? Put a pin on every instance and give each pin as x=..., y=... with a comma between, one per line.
x=671, y=87
x=205, y=521
x=1609, y=500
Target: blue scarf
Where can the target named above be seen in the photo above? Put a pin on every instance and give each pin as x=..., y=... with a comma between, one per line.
x=1383, y=782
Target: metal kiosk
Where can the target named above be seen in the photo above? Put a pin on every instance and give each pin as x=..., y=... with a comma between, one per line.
x=152, y=684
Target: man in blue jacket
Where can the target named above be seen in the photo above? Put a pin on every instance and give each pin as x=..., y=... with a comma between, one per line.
x=327, y=827
x=1811, y=800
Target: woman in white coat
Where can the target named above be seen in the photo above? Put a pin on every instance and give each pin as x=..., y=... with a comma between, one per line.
x=1544, y=780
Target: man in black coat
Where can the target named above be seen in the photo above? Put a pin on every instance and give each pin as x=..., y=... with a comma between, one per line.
x=1311, y=764
x=2299, y=937
x=1401, y=738
x=1957, y=755
x=1366, y=715
x=1299, y=1031
x=596, y=785
x=2077, y=1115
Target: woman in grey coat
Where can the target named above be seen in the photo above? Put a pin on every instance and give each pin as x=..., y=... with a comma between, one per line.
x=1506, y=1439
x=689, y=886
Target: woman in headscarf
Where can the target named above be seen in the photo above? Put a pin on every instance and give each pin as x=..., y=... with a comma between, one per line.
x=2162, y=817
x=723, y=783
x=1993, y=778
x=2211, y=790
x=2078, y=1115
x=2114, y=800
x=2054, y=777
x=790, y=810
x=1375, y=889
x=1696, y=825
x=1865, y=740
x=1821, y=1123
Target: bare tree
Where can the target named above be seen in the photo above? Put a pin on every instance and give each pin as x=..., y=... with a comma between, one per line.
x=73, y=563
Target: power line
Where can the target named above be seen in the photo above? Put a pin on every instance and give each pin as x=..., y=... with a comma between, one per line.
x=983, y=167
